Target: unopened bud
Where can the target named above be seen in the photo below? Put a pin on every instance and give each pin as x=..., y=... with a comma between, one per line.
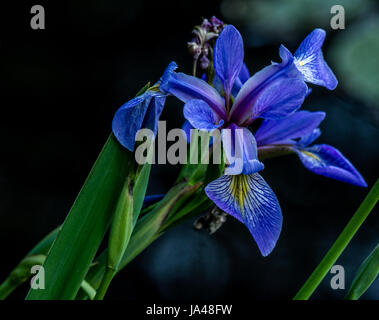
x=203, y=40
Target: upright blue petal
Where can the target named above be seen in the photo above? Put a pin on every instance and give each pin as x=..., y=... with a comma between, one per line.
x=249, y=199
x=238, y=83
x=129, y=118
x=310, y=61
x=167, y=73
x=273, y=92
x=280, y=131
x=237, y=87
x=280, y=99
x=329, y=162
x=244, y=74
x=200, y=115
x=228, y=57
x=186, y=88
x=241, y=152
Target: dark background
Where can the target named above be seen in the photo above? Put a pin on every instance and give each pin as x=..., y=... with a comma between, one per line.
x=59, y=90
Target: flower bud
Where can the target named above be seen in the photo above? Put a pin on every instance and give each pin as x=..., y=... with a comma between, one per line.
x=203, y=40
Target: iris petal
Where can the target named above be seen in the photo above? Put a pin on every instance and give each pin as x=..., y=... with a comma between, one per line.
x=309, y=138
x=244, y=74
x=310, y=61
x=200, y=115
x=280, y=99
x=249, y=199
x=228, y=57
x=241, y=151
x=128, y=119
x=167, y=73
x=262, y=88
x=153, y=112
x=186, y=88
x=329, y=162
x=186, y=127
x=141, y=112
x=297, y=125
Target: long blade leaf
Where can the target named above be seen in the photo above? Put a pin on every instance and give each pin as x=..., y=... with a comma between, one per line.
x=83, y=230
x=366, y=274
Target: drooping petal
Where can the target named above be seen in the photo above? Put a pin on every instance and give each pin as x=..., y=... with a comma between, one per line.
x=141, y=112
x=329, y=162
x=249, y=199
x=200, y=115
x=241, y=152
x=266, y=83
x=228, y=57
x=153, y=112
x=295, y=126
x=186, y=88
x=310, y=61
x=128, y=119
x=309, y=138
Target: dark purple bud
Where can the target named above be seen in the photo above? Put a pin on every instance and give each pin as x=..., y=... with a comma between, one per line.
x=204, y=62
x=194, y=49
x=207, y=25
x=217, y=24
x=203, y=40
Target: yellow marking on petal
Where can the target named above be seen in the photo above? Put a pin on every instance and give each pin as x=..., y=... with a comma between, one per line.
x=239, y=189
x=312, y=155
x=301, y=63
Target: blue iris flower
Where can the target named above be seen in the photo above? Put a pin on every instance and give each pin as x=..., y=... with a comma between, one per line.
x=296, y=133
x=275, y=94
x=141, y=112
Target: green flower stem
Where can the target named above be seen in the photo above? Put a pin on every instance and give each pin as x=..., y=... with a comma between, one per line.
x=105, y=282
x=273, y=151
x=147, y=230
x=88, y=289
x=121, y=229
x=143, y=234
x=340, y=244
x=7, y=287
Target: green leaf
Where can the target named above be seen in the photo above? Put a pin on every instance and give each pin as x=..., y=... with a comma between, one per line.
x=20, y=274
x=139, y=190
x=147, y=229
x=148, y=226
x=121, y=228
x=44, y=245
x=365, y=276
x=197, y=204
x=83, y=230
